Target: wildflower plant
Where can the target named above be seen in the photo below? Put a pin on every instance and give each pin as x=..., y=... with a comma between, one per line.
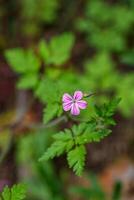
x=72, y=140
x=85, y=122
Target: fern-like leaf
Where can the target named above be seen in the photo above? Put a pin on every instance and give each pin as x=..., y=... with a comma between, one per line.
x=17, y=192
x=63, y=143
x=76, y=159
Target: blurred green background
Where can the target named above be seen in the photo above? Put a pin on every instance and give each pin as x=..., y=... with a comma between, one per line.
x=87, y=44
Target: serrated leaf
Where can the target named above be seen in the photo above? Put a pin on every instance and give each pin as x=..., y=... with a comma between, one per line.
x=110, y=108
x=17, y=192
x=60, y=48
x=63, y=143
x=22, y=61
x=96, y=136
x=50, y=111
x=110, y=121
x=56, y=149
x=76, y=159
x=98, y=110
x=64, y=136
x=6, y=194
x=92, y=136
x=48, y=91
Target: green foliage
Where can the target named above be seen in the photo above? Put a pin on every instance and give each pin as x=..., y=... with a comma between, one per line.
x=28, y=81
x=51, y=111
x=107, y=110
x=107, y=33
x=72, y=141
x=76, y=159
x=44, y=51
x=17, y=192
x=101, y=69
x=58, y=51
x=63, y=143
x=25, y=63
x=22, y=61
x=49, y=92
x=104, y=26
x=50, y=81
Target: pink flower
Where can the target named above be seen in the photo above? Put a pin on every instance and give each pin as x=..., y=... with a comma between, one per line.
x=74, y=103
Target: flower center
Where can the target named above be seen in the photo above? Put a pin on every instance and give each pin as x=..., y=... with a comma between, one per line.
x=74, y=100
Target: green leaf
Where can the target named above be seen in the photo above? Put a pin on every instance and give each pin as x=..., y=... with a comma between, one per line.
x=63, y=142
x=76, y=159
x=28, y=81
x=60, y=48
x=101, y=69
x=48, y=91
x=6, y=194
x=17, y=192
x=64, y=136
x=50, y=111
x=78, y=129
x=92, y=136
x=22, y=61
x=109, y=109
x=58, y=51
x=44, y=51
x=56, y=149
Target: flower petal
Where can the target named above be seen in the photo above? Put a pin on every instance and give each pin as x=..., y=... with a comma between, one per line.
x=82, y=104
x=66, y=98
x=78, y=95
x=67, y=106
x=75, y=109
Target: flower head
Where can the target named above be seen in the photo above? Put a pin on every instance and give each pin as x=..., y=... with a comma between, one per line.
x=74, y=103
